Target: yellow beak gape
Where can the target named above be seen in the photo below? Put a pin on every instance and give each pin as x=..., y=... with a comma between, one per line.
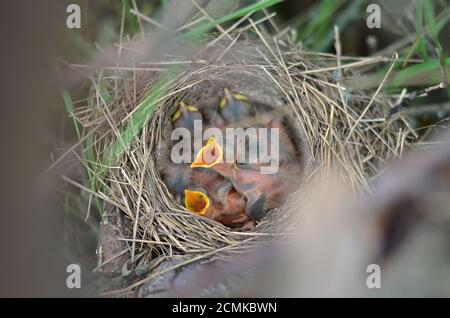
x=196, y=201
x=210, y=155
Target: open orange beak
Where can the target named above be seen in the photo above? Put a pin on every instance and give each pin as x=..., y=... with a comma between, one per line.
x=196, y=201
x=209, y=155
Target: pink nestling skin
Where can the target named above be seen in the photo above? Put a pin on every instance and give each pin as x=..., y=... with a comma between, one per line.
x=262, y=191
x=206, y=178
x=225, y=204
x=231, y=206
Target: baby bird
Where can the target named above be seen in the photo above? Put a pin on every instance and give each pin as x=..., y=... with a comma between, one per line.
x=213, y=117
x=263, y=192
x=222, y=204
x=177, y=177
x=206, y=178
x=232, y=211
x=234, y=107
x=229, y=205
x=287, y=150
x=185, y=116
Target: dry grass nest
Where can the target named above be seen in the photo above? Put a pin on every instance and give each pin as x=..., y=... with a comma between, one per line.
x=336, y=127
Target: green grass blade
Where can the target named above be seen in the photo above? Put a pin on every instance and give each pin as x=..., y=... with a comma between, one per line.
x=132, y=20
x=70, y=109
x=421, y=45
x=144, y=110
x=434, y=35
x=426, y=69
x=419, y=75
x=202, y=29
x=317, y=27
x=342, y=21
x=89, y=150
x=159, y=89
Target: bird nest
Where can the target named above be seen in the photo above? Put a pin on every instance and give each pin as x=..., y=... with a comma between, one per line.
x=334, y=126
